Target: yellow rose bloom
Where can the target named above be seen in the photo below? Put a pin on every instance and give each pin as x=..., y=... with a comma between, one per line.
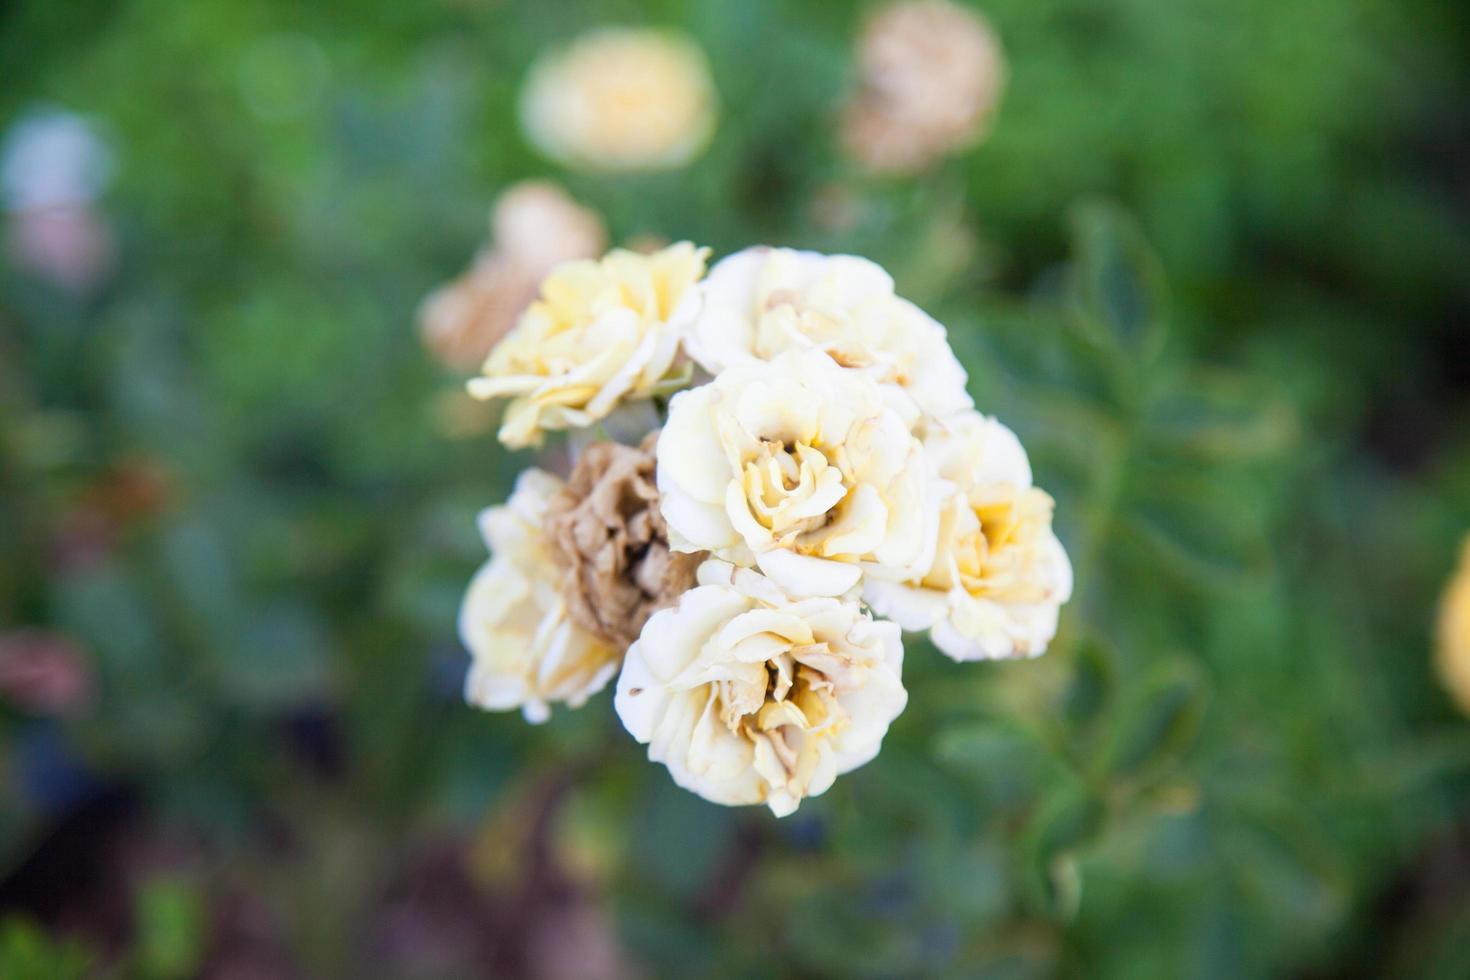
x=1452, y=654
x=602, y=332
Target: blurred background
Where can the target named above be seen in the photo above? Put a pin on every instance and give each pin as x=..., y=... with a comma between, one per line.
x=1210, y=258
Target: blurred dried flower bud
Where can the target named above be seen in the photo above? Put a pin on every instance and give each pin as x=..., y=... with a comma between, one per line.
x=461, y=322
x=605, y=528
x=1452, y=650
x=535, y=226
x=43, y=672
x=132, y=489
x=930, y=74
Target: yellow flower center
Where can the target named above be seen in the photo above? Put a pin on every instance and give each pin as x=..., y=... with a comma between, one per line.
x=796, y=702
x=791, y=489
x=994, y=546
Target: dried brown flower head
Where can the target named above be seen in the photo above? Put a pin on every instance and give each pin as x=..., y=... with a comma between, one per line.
x=461, y=321
x=606, y=529
x=930, y=73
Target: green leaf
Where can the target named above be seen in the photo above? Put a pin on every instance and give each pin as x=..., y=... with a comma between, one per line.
x=1068, y=820
x=1208, y=528
x=28, y=953
x=279, y=658
x=1008, y=761
x=1217, y=417
x=169, y=913
x=1092, y=688
x=1159, y=722
x=1117, y=284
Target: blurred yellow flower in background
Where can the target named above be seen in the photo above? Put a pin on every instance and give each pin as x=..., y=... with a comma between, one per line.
x=621, y=99
x=929, y=76
x=602, y=332
x=535, y=226
x=1452, y=653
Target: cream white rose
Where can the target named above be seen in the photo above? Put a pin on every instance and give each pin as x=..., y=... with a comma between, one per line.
x=802, y=467
x=763, y=301
x=621, y=99
x=514, y=620
x=999, y=575
x=750, y=696
x=602, y=332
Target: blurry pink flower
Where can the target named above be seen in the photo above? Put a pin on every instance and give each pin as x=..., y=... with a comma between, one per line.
x=69, y=246
x=44, y=673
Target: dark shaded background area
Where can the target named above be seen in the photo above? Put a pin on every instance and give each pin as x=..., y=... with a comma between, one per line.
x=1211, y=264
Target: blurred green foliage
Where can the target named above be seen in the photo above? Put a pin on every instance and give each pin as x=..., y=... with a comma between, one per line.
x=1210, y=264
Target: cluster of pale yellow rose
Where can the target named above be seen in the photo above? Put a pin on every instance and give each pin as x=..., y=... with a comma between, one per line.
x=821, y=458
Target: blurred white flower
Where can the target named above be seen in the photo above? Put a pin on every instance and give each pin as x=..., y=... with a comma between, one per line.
x=763, y=301
x=602, y=332
x=621, y=99
x=514, y=620
x=930, y=74
x=53, y=167
x=750, y=696
x=534, y=226
x=53, y=158
x=999, y=574
x=1452, y=651
x=803, y=467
